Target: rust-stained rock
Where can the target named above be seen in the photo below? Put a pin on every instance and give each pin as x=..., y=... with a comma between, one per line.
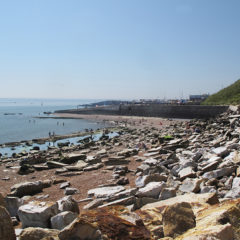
x=6, y=227
x=220, y=221
x=177, y=219
x=38, y=233
x=219, y=232
x=115, y=223
x=151, y=214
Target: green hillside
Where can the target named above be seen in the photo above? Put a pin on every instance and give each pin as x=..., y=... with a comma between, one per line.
x=226, y=96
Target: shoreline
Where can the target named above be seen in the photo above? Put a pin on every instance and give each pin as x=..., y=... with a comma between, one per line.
x=131, y=121
x=49, y=139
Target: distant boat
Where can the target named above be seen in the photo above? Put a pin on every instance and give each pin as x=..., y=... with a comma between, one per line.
x=9, y=113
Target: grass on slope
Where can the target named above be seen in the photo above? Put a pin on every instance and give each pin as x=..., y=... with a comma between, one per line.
x=226, y=96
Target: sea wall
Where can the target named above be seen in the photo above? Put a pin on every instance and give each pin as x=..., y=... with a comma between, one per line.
x=172, y=111
x=155, y=110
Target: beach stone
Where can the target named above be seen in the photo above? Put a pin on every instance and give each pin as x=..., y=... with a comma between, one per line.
x=26, y=188
x=204, y=199
x=128, y=152
x=191, y=185
x=236, y=182
x=177, y=219
x=140, y=202
x=68, y=204
x=210, y=167
x=80, y=229
x=93, y=167
x=70, y=158
x=63, y=219
x=70, y=191
x=218, y=232
x=152, y=190
x=25, y=169
x=64, y=185
x=105, y=192
x=95, y=203
x=167, y=193
x=122, y=181
x=13, y=204
x=37, y=214
x=221, y=151
x=38, y=234
x=93, y=160
x=6, y=228
x=233, y=193
x=151, y=161
x=219, y=172
x=79, y=166
x=116, y=161
x=54, y=164
x=123, y=202
x=208, y=189
x=141, y=181
x=63, y=144
x=187, y=173
x=214, y=159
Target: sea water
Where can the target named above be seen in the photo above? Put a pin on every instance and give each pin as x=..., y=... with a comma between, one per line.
x=18, y=118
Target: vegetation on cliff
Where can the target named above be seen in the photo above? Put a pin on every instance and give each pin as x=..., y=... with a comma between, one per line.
x=226, y=96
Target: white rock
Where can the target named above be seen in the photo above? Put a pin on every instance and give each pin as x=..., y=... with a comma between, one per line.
x=62, y=219
x=220, y=151
x=13, y=204
x=105, y=192
x=187, y=172
x=37, y=214
x=67, y=204
x=152, y=190
x=236, y=182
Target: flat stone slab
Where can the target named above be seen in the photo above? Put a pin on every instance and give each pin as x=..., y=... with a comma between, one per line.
x=37, y=214
x=105, y=192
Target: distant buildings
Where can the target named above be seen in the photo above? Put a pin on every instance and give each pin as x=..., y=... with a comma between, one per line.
x=198, y=98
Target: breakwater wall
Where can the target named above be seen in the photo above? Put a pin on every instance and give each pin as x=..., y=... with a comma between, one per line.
x=173, y=111
x=155, y=110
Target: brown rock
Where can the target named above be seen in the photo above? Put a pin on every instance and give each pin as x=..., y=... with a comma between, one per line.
x=80, y=229
x=109, y=222
x=220, y=221
x=2, y=201
x=219, y=232
x=152, y=212
x=177, y=219
x=6, y=228
x=38, y=233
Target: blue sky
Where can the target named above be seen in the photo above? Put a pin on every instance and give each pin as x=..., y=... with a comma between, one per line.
x=120, y=49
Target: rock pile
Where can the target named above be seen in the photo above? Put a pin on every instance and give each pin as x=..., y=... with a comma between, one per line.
x=187, y=186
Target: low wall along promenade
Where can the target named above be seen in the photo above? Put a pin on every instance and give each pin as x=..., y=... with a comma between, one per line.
x=154, y=110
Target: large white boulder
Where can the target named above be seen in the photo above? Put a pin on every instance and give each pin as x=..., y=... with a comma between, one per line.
x=37, y=214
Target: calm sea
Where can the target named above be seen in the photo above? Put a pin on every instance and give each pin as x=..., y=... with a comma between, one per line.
x=18, y=122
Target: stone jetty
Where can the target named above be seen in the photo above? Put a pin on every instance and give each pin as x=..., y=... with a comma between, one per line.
x=180, y=181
